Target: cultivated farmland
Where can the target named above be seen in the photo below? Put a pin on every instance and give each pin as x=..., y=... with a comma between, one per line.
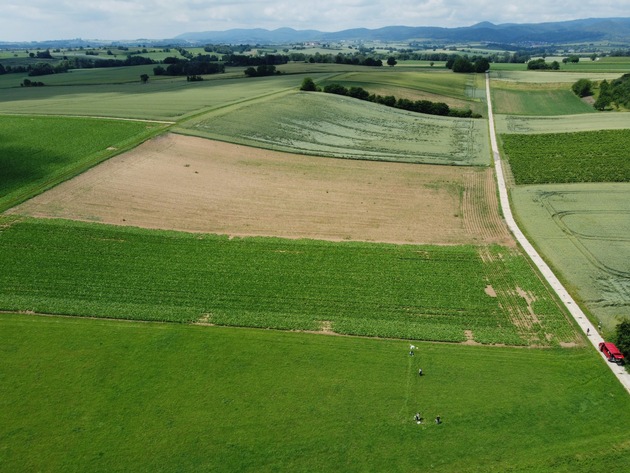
x=583, y=229
x=547, y=99
x=544, y=79
x=487, y=294
x=171, y=99
x=561, y=124
x=188, y=390
x=186, y=183
x=594, y=156
x=38, y=152
x=329, y=125
x=459, y=91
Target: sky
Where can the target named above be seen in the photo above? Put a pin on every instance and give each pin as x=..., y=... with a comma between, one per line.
x=40, y=20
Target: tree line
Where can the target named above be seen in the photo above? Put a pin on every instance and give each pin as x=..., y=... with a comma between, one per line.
x=465, y=64
x=615, y=93
x=541, y=64
x=198, y=65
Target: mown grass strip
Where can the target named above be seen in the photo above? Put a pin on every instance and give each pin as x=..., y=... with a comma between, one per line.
x=400, y=291
x=102, y=396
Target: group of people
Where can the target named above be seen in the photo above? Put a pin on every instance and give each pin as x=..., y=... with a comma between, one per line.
x=418, y=418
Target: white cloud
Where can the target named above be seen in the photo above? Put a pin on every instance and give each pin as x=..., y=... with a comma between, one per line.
x=128, y=19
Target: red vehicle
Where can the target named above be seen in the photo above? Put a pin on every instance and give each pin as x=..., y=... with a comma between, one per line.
x=611, y=352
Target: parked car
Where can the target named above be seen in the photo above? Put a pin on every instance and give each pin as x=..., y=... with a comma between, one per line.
x=611, y=352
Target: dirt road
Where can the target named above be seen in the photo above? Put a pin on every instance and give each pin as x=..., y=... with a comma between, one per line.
x=567, y=300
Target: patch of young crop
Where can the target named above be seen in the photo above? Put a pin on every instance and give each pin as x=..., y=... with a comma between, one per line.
x=400, y=291
x=596, y=156
x=38, y=152
x=530, y=309
x=536, y=102
x=582, y=229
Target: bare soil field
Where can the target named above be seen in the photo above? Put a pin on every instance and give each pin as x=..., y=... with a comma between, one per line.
x=197, y=185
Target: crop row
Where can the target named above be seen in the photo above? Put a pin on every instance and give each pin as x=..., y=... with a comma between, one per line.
x=420, y=292
x=594, y=156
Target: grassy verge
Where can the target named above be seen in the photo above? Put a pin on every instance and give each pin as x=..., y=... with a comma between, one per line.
x=85, y=395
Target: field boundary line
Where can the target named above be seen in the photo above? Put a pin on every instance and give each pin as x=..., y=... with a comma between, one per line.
x=222, y=109
x=96, y=117
x=574, y=309
x=20, y=313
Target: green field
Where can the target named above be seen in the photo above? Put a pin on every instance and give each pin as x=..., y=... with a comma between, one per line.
x=528, y=99
x=561, y=124
x=522, y=77
x=96, y=76
x=401, y=291
x=460, y=91
x=440, y=82
x=593, y=156
x=170, y=99
x=86, y=395
x=583, y=231
x=329, y=125
x=39, y=152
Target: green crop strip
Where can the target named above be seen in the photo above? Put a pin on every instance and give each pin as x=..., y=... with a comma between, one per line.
x=406, y=291
x=594, y=156
x=39, y=152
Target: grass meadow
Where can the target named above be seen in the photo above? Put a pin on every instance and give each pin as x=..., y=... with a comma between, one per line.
x=127, y=396
x=528, y=99
x=328, y=125
x=384, y=290
x=583, y=231
x=590, y=156
x=39, y=152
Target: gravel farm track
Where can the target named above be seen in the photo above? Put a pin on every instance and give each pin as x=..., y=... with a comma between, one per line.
x=577, y=313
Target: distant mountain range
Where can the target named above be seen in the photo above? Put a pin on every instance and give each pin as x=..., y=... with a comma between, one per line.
x=586, y=30
x=616, y=30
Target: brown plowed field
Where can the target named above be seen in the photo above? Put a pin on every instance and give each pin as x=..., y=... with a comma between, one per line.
x=480, y=208
x=192, y=184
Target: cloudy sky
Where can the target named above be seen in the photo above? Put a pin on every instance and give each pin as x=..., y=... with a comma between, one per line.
x=37, y=20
